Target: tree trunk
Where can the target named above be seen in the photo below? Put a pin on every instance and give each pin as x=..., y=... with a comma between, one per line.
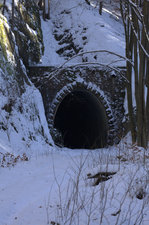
x=48, y=14
x=129, y=52
x=146, y=21
x=4, y=5
x=44, y=10
x=100, y=7
x=12, y=14
x=142, y=117
x=136, y=25
x=136, y=60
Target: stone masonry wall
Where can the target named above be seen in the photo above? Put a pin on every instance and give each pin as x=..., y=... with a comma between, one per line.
x=107, y=84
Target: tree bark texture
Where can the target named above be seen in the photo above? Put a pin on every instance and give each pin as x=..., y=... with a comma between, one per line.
x=136, y=26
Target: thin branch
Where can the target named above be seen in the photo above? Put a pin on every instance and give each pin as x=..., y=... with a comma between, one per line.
x=53, y=73
x=139, y=16
x=101, y=64
x=135, y=33
x=98, y=51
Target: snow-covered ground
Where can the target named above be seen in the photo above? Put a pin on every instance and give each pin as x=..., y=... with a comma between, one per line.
x=78, y=28
x=56, y=188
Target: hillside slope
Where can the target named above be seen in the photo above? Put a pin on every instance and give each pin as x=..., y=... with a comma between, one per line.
x=77, y=27
x=23, y=126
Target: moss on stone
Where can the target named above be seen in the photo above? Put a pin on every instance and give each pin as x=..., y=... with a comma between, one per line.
x=4, y=42
x=6, y=47
x=9, y=59
x=28, y=37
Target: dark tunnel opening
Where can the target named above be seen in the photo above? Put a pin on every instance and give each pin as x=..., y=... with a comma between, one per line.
x=81, y=120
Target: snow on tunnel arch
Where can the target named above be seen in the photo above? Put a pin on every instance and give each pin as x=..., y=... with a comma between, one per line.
x=81, y=114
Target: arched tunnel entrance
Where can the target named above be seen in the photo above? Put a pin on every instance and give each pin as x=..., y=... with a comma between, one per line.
x=81, y=120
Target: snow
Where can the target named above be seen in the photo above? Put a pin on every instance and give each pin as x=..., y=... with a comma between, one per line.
x=31, y=30
x=38, y=191
x=23, y=126
x=100, y=32
x=50, y=57
x=53, y=186
x=26, y=131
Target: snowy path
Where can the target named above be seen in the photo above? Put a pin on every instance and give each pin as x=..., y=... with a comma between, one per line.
x=38, y=191
x=25, y=189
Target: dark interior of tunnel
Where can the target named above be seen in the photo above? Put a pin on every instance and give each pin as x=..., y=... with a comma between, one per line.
x=81, y=120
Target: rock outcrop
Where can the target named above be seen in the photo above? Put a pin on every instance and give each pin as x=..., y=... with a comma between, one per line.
x=23, y=126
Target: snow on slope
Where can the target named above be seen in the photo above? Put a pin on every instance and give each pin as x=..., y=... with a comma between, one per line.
x=54, y=189
x=82, y=29
x=23, y=126
x=25, y=131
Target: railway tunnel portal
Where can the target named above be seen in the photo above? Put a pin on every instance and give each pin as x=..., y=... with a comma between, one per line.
x=83, y=105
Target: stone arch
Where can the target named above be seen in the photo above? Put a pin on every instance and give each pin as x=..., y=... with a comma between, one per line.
x=80, y=84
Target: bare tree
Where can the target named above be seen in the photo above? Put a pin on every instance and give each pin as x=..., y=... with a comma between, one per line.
x=136, y=25
x=44, y=9
x=4, y=5
x=48, y=14
x=45, y=5
x=12, y=14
